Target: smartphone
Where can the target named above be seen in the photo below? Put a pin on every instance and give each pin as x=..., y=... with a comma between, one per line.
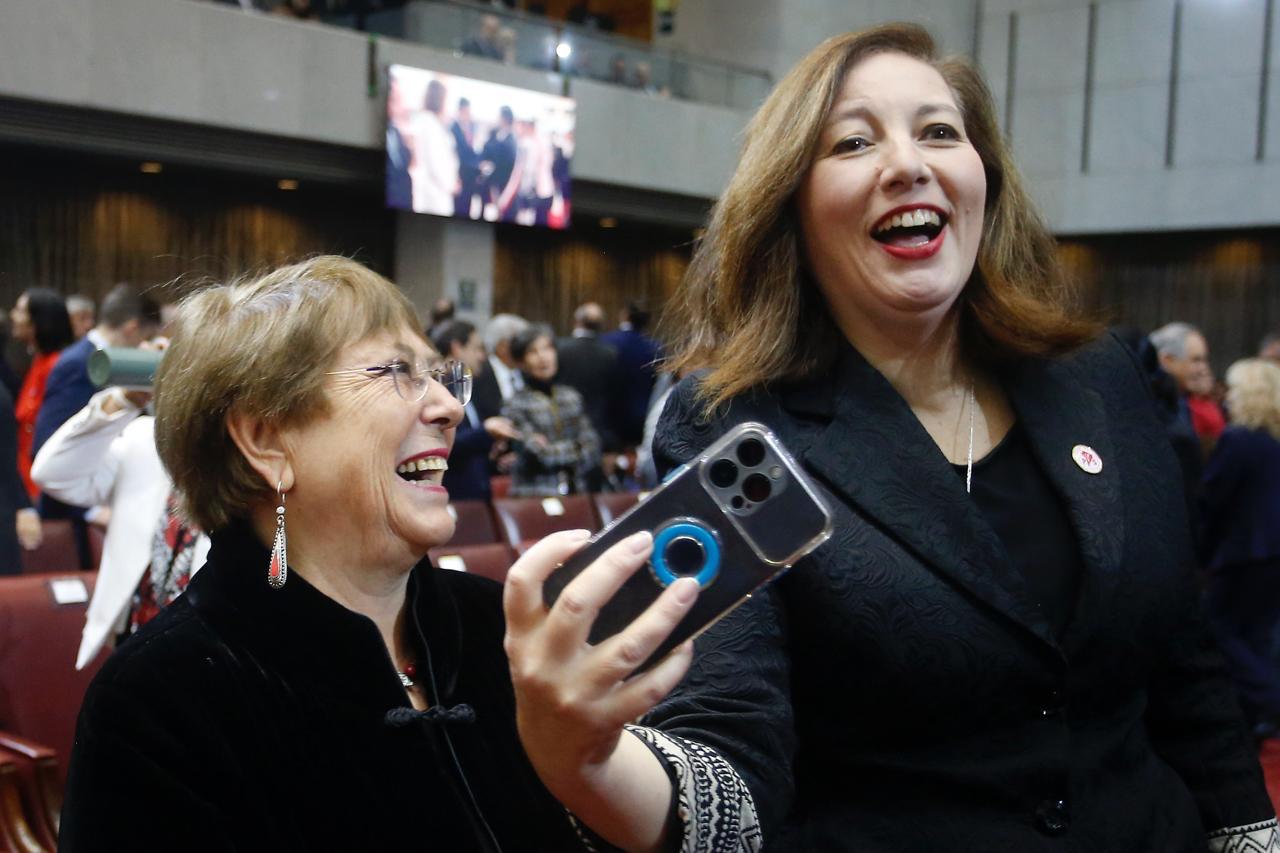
x=734, y=518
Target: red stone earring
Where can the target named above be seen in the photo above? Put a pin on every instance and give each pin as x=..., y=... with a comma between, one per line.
x=278, y=573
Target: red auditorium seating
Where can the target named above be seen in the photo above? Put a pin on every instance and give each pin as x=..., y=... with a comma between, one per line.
x=610, y=505
x=16, y=833
x=40, y=787
x=490, y=561
x=40, y=689
x=523, y=519
x=499, y=487
x=474, y=524
x=57, y=551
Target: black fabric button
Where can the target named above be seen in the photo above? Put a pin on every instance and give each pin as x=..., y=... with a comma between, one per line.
x=1053, y=817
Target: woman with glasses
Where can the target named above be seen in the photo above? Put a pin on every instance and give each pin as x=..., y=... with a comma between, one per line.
x=318, y=686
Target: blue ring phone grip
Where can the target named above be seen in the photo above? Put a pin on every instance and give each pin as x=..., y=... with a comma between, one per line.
x=687, y=530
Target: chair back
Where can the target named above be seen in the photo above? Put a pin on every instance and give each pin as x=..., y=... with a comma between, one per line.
x=610, y=505
x=491, y=561
x=473, y=524
x=40, y=689
x=523, y=519
x=60, y=548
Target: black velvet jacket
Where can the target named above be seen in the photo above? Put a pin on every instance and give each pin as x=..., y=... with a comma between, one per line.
x=246, y=718
x=898, y=690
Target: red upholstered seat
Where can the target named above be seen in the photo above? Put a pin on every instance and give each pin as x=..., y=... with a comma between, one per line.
x=523, y=519
x=57, y=551
x=500, y=486
x=40, y=788
x=490, y=561
x=16, y=831
x=40, y=689
x=474, y=524
x=610, y=505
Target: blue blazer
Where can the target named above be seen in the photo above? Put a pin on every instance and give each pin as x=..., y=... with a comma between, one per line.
x=637, y=355
x=1239, y=500
x=468, y=475
x=67, y=392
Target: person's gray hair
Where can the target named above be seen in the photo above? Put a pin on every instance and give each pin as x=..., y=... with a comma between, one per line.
x=1171, y=338
x=503, y=327
x=77, y=303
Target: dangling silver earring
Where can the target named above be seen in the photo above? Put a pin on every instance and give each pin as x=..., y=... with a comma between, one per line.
x=278, y=573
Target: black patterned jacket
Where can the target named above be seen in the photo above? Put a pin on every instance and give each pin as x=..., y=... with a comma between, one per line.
x=572, y=450
x=898, y=691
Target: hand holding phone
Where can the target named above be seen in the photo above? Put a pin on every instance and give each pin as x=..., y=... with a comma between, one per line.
x=733, y=519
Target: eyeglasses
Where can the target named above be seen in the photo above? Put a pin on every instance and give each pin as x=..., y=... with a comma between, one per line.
x=411, y=382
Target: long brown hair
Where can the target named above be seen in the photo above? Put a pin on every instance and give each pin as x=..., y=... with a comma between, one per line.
x=748, y=309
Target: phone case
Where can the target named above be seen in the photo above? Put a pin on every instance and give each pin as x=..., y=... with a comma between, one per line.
x=734, y=518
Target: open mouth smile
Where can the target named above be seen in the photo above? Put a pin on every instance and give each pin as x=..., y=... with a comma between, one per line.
x=911, y=233
x=426, y=468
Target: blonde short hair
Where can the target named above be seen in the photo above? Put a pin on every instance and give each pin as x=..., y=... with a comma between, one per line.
x=259, y=347
x=1254, y=394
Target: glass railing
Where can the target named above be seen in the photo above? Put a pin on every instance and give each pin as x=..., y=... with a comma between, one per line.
x=531, y=41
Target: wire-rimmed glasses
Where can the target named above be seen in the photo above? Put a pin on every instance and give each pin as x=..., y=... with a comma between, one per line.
x=412, y=381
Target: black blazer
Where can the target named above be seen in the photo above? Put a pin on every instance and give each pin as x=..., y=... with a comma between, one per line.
x=486, y=395
x=1240, y=500
x=897, y=690
x=590, y=367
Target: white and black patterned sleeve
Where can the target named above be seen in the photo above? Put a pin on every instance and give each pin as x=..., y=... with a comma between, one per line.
x=714, y=810
x=1260, y=837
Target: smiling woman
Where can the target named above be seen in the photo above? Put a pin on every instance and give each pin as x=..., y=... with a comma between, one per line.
x=318, y=686
x=1000, y=647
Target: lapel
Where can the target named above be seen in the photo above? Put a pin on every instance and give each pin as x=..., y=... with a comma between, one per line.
x=1059, y=410
x=874, y=453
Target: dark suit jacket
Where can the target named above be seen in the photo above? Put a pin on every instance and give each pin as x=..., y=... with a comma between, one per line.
x=1240, y=500
x=67, y=391
x=898, y=691
x=590, y=366
x=637, y=355
x=13, y=495
x=501, y=152
x=486, y=396
x=468, y=474
x=399, y=184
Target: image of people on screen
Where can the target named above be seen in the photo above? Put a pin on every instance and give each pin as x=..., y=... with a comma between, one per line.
x=476, y=150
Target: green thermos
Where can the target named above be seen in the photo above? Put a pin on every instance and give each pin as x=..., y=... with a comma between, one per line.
x=134, y=369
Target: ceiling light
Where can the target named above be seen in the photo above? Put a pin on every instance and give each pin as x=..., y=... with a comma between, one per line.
x=608, y=222
x=151, y=168
x=564, y=49
x=287, y=184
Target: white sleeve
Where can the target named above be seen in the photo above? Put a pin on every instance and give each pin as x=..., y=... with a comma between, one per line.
x=79, y=462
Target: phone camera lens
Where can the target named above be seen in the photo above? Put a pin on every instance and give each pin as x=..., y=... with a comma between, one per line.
x=685, y=556
x=724, y=473
x=751, y=453
x=737, y=502
x=757, y=488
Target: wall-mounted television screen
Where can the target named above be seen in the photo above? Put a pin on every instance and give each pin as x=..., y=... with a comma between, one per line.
x=477, y=150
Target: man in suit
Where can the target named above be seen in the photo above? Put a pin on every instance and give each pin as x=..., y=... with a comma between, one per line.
x=638, y=355
x=499, y=376
x=127, y=319
x=468, y=474
x=399, y=151
x=498, y=161
x=589, y=365
x=463, y=130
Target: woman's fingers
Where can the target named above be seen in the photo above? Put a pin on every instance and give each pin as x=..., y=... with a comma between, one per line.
x=522, y=592
x=621, y=654
x=579, y=602
x=638, y=696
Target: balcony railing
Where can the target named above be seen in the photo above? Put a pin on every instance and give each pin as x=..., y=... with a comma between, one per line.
x=531, y=41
